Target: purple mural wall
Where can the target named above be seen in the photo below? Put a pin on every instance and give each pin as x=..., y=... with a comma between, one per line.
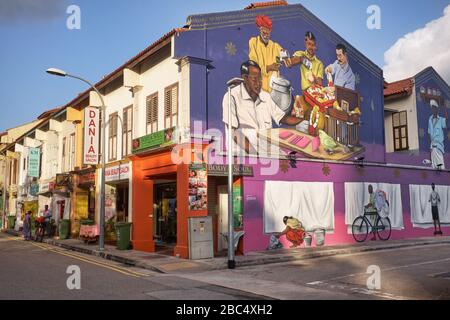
x=219, y=43
x=253, y=197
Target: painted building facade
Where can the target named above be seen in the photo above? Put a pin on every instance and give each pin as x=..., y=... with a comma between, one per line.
x=166, y=126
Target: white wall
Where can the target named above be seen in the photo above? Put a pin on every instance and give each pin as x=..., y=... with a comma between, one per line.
x=116, y=101
x=67, y=128
x=156, y=79
x=50, y=148
x=404, y=104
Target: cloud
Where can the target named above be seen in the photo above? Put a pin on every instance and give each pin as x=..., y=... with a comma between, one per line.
x=31, y=10
x=427, y=46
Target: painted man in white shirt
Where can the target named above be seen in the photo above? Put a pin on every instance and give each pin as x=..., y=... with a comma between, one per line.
x=437, y=128
x=252, y=109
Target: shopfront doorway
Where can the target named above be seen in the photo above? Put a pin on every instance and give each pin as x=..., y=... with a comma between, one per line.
x=165, y=216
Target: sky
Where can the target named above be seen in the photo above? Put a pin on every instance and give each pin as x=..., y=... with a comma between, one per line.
x=414, y=34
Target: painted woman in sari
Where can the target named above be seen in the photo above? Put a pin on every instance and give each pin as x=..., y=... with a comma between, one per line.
x=294, y=231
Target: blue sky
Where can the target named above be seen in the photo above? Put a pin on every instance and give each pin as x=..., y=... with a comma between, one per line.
x=35, y=38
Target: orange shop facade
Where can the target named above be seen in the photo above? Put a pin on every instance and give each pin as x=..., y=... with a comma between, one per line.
x=167, y=192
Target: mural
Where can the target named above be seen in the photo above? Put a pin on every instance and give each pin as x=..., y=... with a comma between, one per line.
x=327, y=100
x=437, y=126
x=430, y=205
x=384, y=198
x=323, y=119
x=433, y=97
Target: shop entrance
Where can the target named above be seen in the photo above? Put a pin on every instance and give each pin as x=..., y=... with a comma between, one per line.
x=165, y=216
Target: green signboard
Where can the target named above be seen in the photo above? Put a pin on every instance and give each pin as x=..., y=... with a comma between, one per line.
x=237, y=205
x=34, y=158
x=154, y=140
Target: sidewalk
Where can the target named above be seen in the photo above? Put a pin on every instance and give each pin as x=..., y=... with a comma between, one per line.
x=168, y=264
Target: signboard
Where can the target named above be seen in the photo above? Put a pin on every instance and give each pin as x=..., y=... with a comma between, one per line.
x=220, y=170
x=237, y=204
x=34, y=160
x=198, y=187
x=163, y=138
x=63, y=180
x=34, y=189
x=91, y=135
x=117, y=173
x=86, y=178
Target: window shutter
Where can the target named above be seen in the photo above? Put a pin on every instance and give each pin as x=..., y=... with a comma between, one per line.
x=167, y=104
x=174, y=102
x=155, y=109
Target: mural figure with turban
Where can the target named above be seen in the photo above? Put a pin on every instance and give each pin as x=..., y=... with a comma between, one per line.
x=265, y=52
x=437, y=127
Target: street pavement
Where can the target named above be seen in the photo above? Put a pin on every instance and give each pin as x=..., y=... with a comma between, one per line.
x=31, y=270
x=421, y=272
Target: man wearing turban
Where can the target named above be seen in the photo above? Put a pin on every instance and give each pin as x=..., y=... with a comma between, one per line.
x=265, y=52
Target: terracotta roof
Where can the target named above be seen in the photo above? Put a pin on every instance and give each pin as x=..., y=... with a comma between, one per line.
x=266, y=4
x=106, y=78
x=48, y=113
x=399, y=88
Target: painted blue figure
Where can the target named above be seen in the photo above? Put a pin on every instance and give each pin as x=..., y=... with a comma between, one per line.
x=437, y=127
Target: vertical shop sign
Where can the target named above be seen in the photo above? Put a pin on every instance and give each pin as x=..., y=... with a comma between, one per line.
x=91, y=135
x=34, y=158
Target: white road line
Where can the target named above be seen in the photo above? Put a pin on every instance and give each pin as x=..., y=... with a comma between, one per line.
x=387, y=269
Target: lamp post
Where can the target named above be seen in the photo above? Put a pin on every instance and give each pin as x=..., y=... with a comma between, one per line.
x=231, y=261
x=61, y=73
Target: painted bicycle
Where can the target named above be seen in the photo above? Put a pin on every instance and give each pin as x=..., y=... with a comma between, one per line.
x=363, y=225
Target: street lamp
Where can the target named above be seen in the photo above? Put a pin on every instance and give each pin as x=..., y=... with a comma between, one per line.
x=61, y=73
x=231, y=262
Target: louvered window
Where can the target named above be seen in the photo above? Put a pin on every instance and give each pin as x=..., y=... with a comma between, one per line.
x=112, y=137
x=171, y=106
x=152, y=113
x=127, y=131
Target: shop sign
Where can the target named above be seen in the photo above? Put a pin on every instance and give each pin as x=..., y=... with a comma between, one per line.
x=91, y=135
x=87, y=178
x=34, y=158
x=46, y=186
x=220, y=170
x=116, y=173
x=160, y=139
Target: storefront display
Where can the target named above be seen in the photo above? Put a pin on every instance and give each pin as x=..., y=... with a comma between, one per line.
x=198, y=187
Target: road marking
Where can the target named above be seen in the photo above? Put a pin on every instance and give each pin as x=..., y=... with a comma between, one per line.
x=387, y=269
x=104, y=265
x=82, y=258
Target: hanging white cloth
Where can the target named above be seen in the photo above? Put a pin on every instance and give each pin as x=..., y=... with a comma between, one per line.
x=310, y=202
x=421, y=207
x=357, y=196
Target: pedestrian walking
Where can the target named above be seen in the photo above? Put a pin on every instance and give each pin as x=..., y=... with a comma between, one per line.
x=27, y=226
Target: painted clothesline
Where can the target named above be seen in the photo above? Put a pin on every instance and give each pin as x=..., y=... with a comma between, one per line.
x=421, y=208
x=311, y=203
x=357, y=196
